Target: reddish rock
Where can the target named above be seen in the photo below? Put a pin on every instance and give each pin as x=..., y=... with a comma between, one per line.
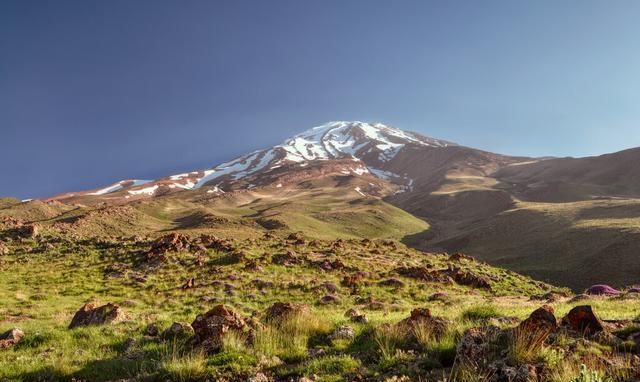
x=283, y=310
x=581, y=319
x=535, y=330
x=89, y=314
x=10, y=338
x=289, y=258
x=329, y=299
x=423, y=317
x=392, y=282
x=28, y=231
x=211, y=327
x=468, y=278
x=478, y=346
x=252, y=266
x=352, y=281
x=177, y=330
x=541, y=320
x=4, y=250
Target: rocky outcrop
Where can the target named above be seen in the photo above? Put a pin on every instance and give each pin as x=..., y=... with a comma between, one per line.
x=288, y=259
x=281, y=311
x=422, y=318
x=89, y=314
x=177, y=330
x=211, y=327
x=542, y=322
x=28, y=231
x=343, y=332
x=468, y=278
x=329, y=300
x=479, y=346
x=582, y=320
x=11, y=338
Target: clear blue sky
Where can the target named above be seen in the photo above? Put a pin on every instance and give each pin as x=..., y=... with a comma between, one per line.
x=95, y=91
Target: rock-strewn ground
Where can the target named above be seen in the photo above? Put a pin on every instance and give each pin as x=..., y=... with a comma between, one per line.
x=284, y=307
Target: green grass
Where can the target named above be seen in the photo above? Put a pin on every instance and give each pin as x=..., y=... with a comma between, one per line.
x=42, y=287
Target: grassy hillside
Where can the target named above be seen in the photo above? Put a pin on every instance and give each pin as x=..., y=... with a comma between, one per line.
x=574, y=244
x=45, y=280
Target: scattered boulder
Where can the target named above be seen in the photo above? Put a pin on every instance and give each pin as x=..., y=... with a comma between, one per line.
x=534, y=331
x=152, y=330
x=421, y=317
x=501, y=372
x=360, y=319
x=343, y=332
x=326, y=286
x=439, y=296
x=177, y=330
x=478, y=346
x=352, y=281
x=582, y=320
x=10, y=338
x=468, y=278
x=27, y=231
x=329, y=265
x=288, y=259
x=352, y=312
x=602, y=290
x=419, y=273
x=329, y=299
x=4, y=250
x=211, y=327
x=89, y=314
x=392, y=282
x=252, y=266
x=542, y=320
x=282, y=310
x=173, y=242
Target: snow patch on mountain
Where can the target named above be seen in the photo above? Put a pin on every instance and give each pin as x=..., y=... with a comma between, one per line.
x=119, y=186
x=145, y=191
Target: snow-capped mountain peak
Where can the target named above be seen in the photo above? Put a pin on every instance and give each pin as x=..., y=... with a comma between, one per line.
x=361, y=148
x=350, y=138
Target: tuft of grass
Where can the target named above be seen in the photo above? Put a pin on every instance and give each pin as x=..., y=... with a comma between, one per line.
x=388, y=339
x=526, y=346
x=329, y=368
x=481, y=313
x=289, y=338
x=181, y=365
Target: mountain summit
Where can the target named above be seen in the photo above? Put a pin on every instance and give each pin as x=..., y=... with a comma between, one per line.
x=372, y=145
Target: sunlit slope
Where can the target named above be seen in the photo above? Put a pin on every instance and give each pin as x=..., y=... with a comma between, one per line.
x=575, y=244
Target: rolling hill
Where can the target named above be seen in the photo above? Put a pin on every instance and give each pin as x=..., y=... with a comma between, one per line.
x=570, y=221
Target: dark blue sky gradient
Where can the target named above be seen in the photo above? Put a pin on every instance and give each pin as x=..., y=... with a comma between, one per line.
x=95, y=91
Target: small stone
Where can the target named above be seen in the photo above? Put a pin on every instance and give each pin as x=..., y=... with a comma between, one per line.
x=177, y=330
x=343, y=333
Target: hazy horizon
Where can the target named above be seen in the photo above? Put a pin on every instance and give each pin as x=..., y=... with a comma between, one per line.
x=94, y=92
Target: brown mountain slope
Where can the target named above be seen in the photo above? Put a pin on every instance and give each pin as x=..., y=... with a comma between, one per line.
x=577, y=244
x=572, y=179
